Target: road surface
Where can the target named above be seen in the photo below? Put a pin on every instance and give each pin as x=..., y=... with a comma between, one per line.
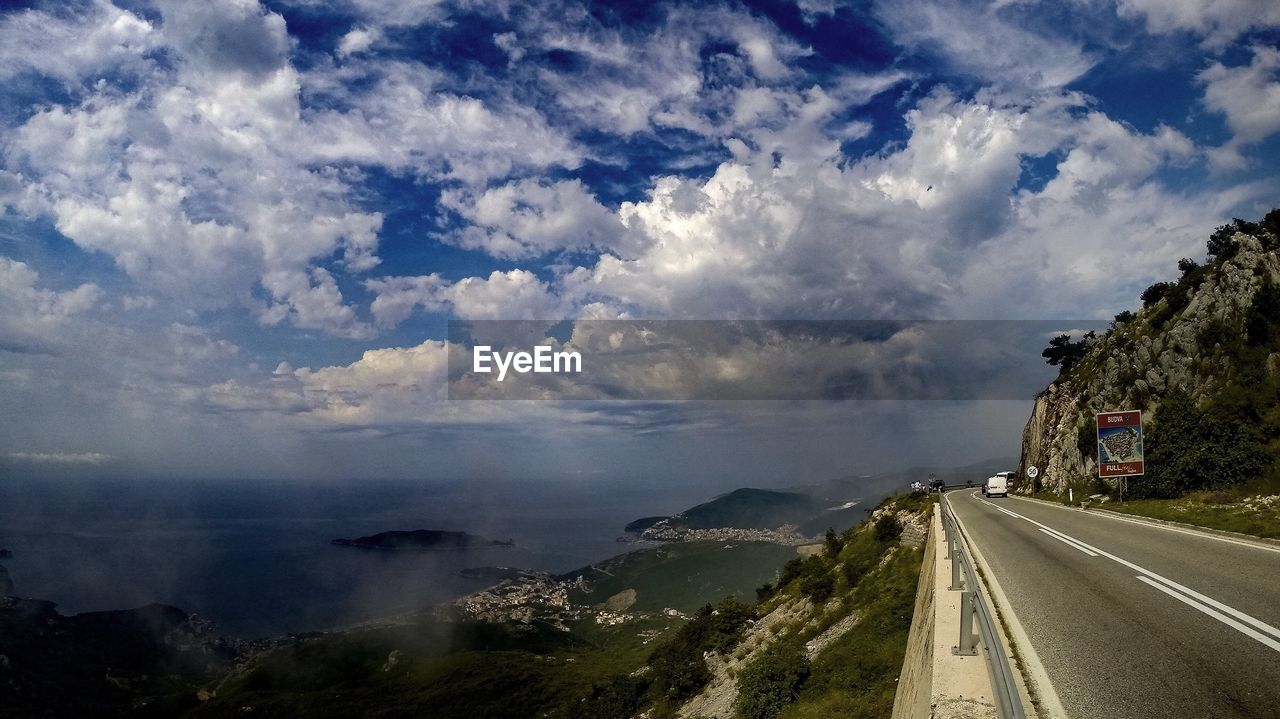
x=1131, y=620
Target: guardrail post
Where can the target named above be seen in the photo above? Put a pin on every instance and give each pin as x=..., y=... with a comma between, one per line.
x=967, y=646
x=956, y=584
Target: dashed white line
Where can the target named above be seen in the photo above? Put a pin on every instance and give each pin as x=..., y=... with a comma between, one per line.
x=1230, y=616
x=1069, y=542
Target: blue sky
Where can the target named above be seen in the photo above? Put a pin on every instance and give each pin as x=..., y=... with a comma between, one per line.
x=233, y=232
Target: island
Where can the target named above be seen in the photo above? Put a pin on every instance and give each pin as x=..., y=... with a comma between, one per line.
x=422, y=539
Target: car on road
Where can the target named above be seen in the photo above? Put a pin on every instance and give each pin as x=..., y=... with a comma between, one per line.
x=997, y=485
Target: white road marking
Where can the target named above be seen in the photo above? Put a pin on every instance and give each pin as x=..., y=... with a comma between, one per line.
x=1179, y=530
x=1216, y=615
x=1033, y=671
x=1068, y=542
x=1223, y=609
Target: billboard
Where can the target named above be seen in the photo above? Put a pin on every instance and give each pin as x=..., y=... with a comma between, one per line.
x=1120, y=444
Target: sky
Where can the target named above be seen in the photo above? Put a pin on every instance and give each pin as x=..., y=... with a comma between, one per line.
x=232, y=233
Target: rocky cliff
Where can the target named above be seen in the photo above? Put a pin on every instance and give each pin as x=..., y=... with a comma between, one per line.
x=1174, y=343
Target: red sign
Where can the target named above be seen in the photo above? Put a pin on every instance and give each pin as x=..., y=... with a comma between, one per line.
x=1120, y=444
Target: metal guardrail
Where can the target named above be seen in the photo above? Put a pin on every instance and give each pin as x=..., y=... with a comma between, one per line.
x=974, y=604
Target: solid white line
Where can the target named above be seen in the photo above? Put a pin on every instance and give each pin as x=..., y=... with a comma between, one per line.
x=1167, y=528
x=1035, y=676
x=1153, y=575
x=1216, y=615
x=1068, y=542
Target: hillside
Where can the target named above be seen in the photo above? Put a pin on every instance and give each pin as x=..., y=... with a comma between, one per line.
x=1201, y=360
x=749, y=509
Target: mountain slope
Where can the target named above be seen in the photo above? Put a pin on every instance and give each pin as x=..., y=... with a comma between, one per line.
x=1206, y=345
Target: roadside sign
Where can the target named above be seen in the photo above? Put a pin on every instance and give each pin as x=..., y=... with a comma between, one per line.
x=1120, y=444
x=1033, y=471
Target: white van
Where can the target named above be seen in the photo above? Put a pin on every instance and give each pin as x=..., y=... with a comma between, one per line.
x=997, y=485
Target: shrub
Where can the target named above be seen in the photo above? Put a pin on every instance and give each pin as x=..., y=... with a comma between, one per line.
x=1155, y=293
x=1189, y=449
x=1123, y=318
x=1263, y=316
x=621, y=696
x=888, y=528
x=1087, y=440
x=772, y=681
x=1215, y=332
x=818, y=586
x=677, y=666
x=1271, y=224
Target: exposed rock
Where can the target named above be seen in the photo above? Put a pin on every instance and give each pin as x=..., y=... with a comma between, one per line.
x=716, y=700
x=619, y=602
x=1134, y=364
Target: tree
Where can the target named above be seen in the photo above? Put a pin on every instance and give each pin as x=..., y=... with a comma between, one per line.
x=1064, y=353
x=1222, y=243
x=832, y=542
x=1155, y=293
x=1271, y=224
x=1186, y=264
x=1124, y=317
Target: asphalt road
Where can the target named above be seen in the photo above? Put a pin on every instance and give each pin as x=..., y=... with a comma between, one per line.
x=1111, y=608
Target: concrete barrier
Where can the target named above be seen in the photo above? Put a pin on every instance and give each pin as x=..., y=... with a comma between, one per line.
x=935, y=682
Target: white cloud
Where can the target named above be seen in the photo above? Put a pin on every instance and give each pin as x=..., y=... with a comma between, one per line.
x=98, y=40
x=1217, y=21
x=69, y=458
x=357, y=40
x=226, y=36
x=529, y=218
x=513, y=295
x=979, y=39
x=209, y=182
x=34, y=318
x=1249, y=97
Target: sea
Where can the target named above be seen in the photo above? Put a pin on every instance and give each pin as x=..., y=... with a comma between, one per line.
x=255, y=557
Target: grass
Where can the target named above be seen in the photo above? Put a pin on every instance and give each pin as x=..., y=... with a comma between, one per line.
x=1258, y=515
x=857, y=675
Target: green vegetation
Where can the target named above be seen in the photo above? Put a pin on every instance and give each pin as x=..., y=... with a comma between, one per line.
x=772, y=681
x=677, y=669
x=1190, y=448
x=655, y=664
x=856, y=677
x=1257, y=514
x=430, y=669
x=750, y=509
x=683, y=575
x=1064, y=352
x=1226, y=440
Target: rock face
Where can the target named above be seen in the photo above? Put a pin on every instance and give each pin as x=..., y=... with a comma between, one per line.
x=1137, y=363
